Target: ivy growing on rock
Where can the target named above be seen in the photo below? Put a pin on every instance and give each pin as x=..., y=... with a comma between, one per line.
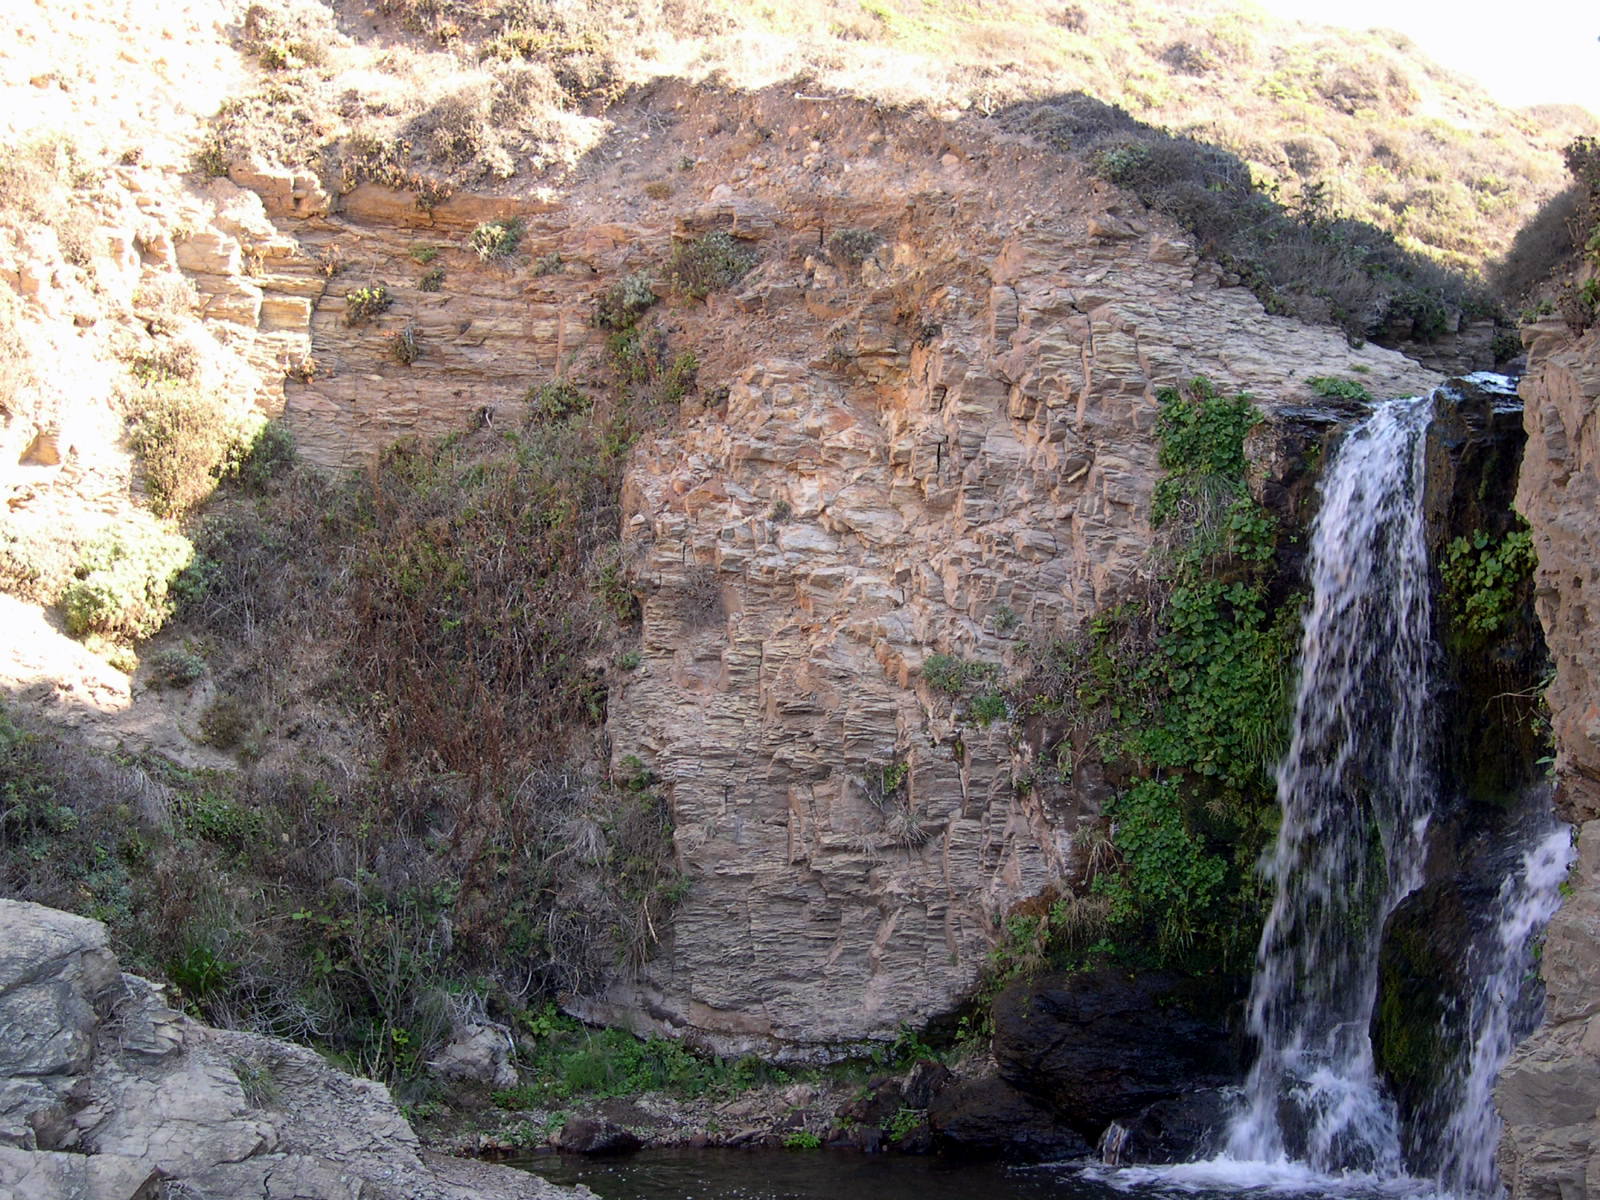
x=1182, y=694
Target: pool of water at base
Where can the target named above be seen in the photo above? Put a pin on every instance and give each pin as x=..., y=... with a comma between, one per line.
x=850, y=1175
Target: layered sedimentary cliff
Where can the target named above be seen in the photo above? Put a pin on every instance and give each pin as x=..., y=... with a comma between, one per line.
x=926, y=427
x=923, y=425
x=945, y=447
x=1549, y=1092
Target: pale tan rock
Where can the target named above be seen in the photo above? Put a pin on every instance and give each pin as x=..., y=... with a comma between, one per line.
x=159, y=1097
x=1549, y=1091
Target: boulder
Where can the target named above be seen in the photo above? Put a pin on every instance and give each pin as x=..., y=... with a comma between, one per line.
x=95, y=1062
x=477, y=1057
x=1103, y=1046
x=587, y=1135
x=989, y=1118
x=1186, y=1128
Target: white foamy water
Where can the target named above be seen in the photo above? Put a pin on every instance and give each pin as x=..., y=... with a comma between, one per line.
x=1356, y=792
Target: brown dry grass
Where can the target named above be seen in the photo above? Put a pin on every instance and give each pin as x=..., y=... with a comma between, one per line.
x=507, y=91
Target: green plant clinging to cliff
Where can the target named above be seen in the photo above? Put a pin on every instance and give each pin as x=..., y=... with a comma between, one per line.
x=1484, y=579
x=1185, y=693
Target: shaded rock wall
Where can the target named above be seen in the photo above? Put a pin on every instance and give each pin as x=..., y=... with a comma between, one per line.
x=1549, y=1092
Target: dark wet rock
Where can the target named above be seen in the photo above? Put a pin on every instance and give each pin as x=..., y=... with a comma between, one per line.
x=1183, y=1129
x=586, y=1135
x=1102, y=1046
x=989, y=1118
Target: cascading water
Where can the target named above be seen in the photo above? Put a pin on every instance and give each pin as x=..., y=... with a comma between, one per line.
x=1355, y=791
x=1501, y=1014
x=1362, y=805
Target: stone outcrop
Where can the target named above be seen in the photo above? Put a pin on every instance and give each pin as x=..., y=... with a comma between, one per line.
x=1102, y=1046
x=945, y=449
x=1549, y=1091
x=106, y=1093
x=1559, y=494
x=938, y=442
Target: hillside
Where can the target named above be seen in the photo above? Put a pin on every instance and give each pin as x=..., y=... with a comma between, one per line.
x=1361, y=124
x=494, y=488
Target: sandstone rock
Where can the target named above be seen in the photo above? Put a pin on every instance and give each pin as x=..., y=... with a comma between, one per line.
x=1559, y=494
x=478, y=1053
x=55, y=969
x=56, y=1176
x=1549, y=1090
x=96, y=1063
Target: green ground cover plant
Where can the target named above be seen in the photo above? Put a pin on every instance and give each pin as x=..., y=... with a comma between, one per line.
x=1181, y=693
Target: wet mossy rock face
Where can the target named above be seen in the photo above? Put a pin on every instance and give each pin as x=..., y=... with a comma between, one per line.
x=1495, y=656
x=1491, y=736
x=1419, y=1031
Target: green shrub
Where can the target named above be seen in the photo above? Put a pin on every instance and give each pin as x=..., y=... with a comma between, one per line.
x=801, y=1139
x=708, y=263
x=123, y=582
x=956, y=676
x=1335, y=387
x=556, y=399
x=364, y=303
x=269, y=455
x=225, y=723
x=176, y=667
x=624, y=302
x=404, y=347
x=495, y=241
x=987, y=708
x=1485, y=580
x=432, y=279
x=681, y=377
x=852, y=247
x=184, y=439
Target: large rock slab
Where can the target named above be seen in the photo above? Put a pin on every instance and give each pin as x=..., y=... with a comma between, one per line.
x=142, y=1095
x=1103, y=1046
x=1549, y=1090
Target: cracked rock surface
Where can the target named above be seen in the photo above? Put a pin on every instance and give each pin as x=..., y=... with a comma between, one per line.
x=108, y=1094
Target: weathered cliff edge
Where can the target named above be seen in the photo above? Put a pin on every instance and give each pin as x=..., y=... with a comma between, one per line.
x=934, y=437
x=106, y=1093
x=1549, y=1092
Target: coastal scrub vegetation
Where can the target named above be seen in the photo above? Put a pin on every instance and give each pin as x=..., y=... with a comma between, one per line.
x=1345, y=123
x=1554, y=263
x=1303, y=257
x=418, y=820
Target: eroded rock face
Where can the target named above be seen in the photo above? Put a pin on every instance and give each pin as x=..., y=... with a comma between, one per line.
x=105, y=1093
x=1559, y=493
x=933, y=437
x=1103, y=1046
x=1549, y=1091
x=947, y=449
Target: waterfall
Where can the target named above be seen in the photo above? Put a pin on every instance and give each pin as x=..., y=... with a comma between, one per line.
x=1502, y=1010
x=1355, y=791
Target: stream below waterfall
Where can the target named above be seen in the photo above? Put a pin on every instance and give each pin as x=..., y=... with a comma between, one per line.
x=851, y=1175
